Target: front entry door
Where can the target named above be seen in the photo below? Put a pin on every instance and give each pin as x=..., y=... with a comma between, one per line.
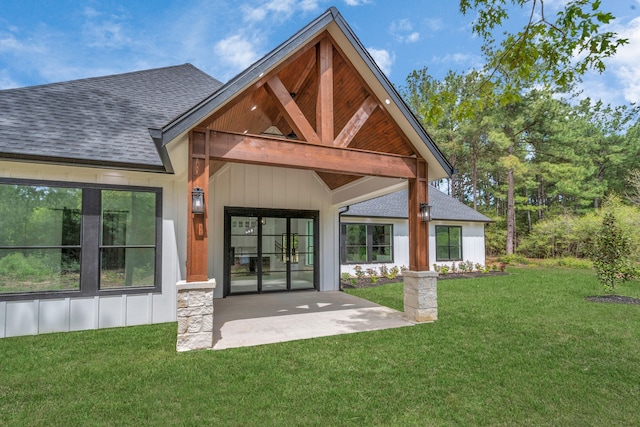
x=270, y=250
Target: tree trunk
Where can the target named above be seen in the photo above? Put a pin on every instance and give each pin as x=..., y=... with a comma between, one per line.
x=511, y=209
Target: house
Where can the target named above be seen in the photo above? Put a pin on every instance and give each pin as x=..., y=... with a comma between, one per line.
x=126, y=198
x=374, y=233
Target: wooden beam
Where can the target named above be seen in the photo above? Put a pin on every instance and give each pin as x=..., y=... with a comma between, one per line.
x=324, y=105
x=197, y=249
x=418, y=230
x=278, y=152
x=292, y=113
x=355, y=123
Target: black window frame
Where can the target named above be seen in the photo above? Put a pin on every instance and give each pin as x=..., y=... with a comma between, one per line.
x=343, y=243
x=90, y=244
x=449, y=246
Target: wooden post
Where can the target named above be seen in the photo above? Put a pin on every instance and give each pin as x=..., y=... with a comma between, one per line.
x=324, y=107
x=418, y=230
x=197, y=253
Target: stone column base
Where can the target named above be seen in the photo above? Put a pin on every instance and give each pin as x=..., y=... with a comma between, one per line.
x=420, y=295
x=195, y=315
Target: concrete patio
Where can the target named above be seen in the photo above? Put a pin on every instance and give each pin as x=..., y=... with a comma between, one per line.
x=249, y=320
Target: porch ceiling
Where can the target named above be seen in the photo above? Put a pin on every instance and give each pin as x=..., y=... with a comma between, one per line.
x=315, y=91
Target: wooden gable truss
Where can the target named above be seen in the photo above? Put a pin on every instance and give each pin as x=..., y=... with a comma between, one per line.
x=313, y=111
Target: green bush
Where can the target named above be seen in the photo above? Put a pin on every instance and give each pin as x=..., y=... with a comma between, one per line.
x=16, y=266
x=611, y=254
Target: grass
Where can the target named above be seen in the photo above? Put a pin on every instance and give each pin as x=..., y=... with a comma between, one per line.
x=522, y=349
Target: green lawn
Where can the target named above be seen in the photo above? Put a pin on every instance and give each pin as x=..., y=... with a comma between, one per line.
x=523, y=349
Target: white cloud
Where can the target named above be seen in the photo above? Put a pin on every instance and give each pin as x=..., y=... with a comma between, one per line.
x=402, y=31
x=383, y=58
x=456, y=58
x=277, y=10
x=413, y=37
x=433, y=24
x=356, y=2
x=7, y=83
x=105, y=30
x=626, y=62
x=237, y=51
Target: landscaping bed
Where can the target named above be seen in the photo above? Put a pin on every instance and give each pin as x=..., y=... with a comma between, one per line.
x=366, y=282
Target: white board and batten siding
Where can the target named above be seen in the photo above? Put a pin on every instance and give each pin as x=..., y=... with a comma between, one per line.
x=473, y=246
x=35, y=316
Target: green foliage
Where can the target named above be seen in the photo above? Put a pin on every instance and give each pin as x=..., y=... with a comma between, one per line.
x=553, y=50
x=358, y=271
x=16, y=266
x=611, y=254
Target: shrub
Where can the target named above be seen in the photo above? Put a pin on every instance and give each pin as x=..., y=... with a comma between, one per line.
x=358, y=271
x=384, y=271
x=371, y=272
x=611, y=254
x=18, y=267
x=393, y=273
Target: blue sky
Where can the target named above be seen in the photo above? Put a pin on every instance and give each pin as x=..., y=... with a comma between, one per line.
x=48, y=41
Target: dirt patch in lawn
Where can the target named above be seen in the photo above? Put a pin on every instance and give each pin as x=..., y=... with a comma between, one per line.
x=614, y=299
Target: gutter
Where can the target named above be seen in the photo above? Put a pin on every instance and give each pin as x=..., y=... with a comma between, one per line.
x=340, y=213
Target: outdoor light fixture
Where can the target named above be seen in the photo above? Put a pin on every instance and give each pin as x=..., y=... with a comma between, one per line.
x=197, y=201
x=425, y=212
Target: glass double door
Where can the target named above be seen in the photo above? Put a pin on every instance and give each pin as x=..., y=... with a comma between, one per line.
x=270, y=250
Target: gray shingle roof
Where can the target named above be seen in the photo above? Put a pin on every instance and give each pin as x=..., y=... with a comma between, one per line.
x=395, y=205
x=99, y=121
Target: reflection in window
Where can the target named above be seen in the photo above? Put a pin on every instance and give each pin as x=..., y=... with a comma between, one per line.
x=39, y=238
x=128, y=239
x=53, y=237
x=448, y=243
x=362, y=243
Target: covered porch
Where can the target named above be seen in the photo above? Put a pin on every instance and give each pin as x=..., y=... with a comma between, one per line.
x=314, y=127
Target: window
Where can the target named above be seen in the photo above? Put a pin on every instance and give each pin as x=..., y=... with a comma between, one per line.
x=448, y=243
x=366, y=243
x=66, y=239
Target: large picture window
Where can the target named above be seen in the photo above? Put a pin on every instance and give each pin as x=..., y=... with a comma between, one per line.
x=366, y=243
x=66, y=239
x=448, y=243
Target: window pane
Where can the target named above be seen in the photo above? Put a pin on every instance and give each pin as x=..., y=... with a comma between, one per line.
x=39, y=215
x=127, y=267
x=37, y=270
x=455, y=252
x=454, y=236
x=356, y=254
x=381, y=234
x=381, y=254
x=128, y=218
x=442, y=236
x=442, y=253
x=356, y=234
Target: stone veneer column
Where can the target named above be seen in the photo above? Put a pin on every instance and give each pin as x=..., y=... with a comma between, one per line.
x=420, y=295
x=195, y=315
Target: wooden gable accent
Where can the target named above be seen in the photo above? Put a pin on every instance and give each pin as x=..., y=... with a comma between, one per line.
x=316, y=97
x=313, y=111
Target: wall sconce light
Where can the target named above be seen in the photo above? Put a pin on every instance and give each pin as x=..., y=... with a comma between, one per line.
x=197, y=201
x=425, y=212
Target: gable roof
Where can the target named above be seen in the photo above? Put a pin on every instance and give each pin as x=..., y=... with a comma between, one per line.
x=396, y=205
x=332, y=22
x=99, y=121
